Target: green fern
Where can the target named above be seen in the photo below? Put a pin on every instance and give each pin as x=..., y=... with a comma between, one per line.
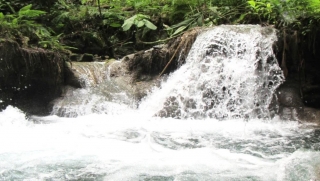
x=53, y=42
x=27, y=12
x=314, y=6
x=139, y=20
x=22, y=27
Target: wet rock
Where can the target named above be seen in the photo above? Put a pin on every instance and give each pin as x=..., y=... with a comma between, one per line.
x=291, y=113
x=171, y=108
x=97, y=58
x=136, y=73
x=289, y=96
x=29, y=78
x=74, y=57
x=162, y=59
x=291, y=105
x=311, y=115
x=86, y=58
x=85, y=74
x=111, y=73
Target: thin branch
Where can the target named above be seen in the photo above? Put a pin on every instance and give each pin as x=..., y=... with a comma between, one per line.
x=99, y=8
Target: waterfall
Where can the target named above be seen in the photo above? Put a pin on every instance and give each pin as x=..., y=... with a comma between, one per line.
x=230, y=72
x=95, y=133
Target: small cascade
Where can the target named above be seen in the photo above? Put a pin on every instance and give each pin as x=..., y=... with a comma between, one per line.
x=100, y=94
x=89, y=74
x=230, y=72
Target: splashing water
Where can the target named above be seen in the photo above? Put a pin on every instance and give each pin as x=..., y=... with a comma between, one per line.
x=230, y=72
x=123, y=143
x=100, y=94
x=131, y=147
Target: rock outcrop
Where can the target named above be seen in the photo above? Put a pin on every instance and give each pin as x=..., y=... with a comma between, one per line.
x=136, y=73
x=29, y=78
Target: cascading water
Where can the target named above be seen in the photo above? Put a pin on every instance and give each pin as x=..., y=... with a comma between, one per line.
x=230, y=74
x=100, y=94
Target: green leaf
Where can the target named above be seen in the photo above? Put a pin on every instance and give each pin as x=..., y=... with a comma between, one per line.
x=115, y=25
x=241, y=17
x=142, y=16
x=26, y=11
x=196, y=15
x=9, y=16
x=179, y=30
x=166, y=27
x=132, y=18
x=252, y=3
x=200, y=20
x=149, y=25
x=26, y=8
x=268, y=5
x=214, y=9
x=145, y=31
x=15, y=21
x=127, y=25
x=140, y=24
x=182, y=23
x=1, y=15
x=31, y=13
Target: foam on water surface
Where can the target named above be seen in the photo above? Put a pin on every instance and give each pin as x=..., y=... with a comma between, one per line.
x=104, y=147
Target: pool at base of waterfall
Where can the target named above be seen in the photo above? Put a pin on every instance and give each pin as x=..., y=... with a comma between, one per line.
x=134, y=147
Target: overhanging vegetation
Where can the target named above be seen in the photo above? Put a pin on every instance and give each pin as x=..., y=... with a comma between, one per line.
x=103, y=27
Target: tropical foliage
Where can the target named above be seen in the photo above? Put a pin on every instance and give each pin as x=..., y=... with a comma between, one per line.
x=113, y=23
x=21, y=24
